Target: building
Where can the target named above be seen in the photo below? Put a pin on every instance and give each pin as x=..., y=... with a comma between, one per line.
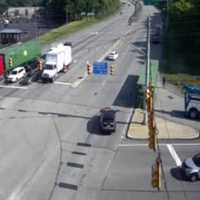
x=10, y=36
x=27, y=12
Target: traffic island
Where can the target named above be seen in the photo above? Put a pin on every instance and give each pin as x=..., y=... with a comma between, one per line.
x=166, y=129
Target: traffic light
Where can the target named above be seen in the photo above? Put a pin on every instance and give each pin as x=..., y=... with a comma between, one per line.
x=40, y=64
x=151, y=120
x=156, y=174
x=149, y=98
x=89, y=69
x=152, y=139
x=112, y=69
x=10, y=61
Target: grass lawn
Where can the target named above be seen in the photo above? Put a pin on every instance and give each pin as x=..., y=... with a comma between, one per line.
x=183, y=79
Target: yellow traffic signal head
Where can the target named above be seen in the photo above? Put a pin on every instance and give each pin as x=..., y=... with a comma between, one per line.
x=112, y=69
x=10, y=61
x=152, y=138
x=156, y=175
x=89, y=69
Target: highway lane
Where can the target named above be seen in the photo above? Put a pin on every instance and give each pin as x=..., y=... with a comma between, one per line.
x=52, y=147
x=41, y=127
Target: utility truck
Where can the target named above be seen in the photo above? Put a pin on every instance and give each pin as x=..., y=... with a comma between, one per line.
x=57, y=59
x=192, y=102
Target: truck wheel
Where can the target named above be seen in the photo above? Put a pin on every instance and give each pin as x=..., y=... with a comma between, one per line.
x=193, y=113
x=52, y=79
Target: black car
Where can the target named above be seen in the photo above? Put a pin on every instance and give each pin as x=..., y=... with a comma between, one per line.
x=107, y=120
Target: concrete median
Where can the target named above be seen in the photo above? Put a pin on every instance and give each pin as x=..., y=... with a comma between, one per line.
x=167, y=129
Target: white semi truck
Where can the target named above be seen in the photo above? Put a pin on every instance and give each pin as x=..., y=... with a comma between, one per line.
x=192, y=102
x=56, y=60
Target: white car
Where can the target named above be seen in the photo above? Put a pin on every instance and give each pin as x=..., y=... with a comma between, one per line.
x=113, y=55
x=16, y=74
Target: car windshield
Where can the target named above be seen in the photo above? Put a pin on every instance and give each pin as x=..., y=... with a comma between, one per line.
x=109, y=116
x=49, y=67
x=196, y=159
x=13, y=72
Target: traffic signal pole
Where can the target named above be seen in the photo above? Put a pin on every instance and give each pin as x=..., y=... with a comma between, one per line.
x=147, y=72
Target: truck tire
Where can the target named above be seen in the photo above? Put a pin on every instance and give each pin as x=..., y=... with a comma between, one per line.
x=52, y=79
x=193, y=113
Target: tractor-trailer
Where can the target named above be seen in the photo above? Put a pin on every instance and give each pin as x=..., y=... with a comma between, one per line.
x=18, y=54
x=56, y=60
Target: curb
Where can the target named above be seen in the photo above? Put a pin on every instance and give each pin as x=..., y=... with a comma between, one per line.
x=165, y=127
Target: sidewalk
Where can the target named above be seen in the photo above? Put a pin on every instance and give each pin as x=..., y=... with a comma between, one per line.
x=168, y=127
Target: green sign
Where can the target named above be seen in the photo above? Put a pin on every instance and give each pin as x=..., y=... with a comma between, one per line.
x=152, y=2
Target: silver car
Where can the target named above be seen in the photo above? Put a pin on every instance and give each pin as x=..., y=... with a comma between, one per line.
x=191, y=167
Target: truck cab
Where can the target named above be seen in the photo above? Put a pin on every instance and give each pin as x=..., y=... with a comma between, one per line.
x=192, y=102
x=49, y=72
x=55, y=61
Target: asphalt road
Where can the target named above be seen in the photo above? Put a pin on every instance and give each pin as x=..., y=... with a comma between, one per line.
x=51, y=146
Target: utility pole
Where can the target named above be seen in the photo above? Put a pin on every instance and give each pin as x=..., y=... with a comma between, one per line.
x=147, y=72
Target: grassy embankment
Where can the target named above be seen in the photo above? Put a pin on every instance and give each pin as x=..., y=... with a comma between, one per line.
x=73, y=27
x=66, y=30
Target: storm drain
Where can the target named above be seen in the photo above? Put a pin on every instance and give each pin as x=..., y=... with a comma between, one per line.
x=68, y=186
x=84, y=144
x=79, y=153
x=77, y=165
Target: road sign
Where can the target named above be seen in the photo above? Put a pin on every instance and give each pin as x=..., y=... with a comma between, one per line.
x=100, y=68
x=153, y=2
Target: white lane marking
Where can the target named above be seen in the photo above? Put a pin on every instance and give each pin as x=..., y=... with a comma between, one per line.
x=75, y=84
x=186, y=144
x=13, y=87
x=63, y=83
x=78, y=82
x=162, y=144
x=174, y=155
x=132, y=145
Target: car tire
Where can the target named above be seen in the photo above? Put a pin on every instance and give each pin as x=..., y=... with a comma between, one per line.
x=193, y=113
x=193, y=177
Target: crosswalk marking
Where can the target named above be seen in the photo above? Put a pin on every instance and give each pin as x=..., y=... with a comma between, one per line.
x=174, y=155
x=13, y=87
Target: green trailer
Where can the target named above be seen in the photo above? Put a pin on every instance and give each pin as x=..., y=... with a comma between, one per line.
x=18, y=54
